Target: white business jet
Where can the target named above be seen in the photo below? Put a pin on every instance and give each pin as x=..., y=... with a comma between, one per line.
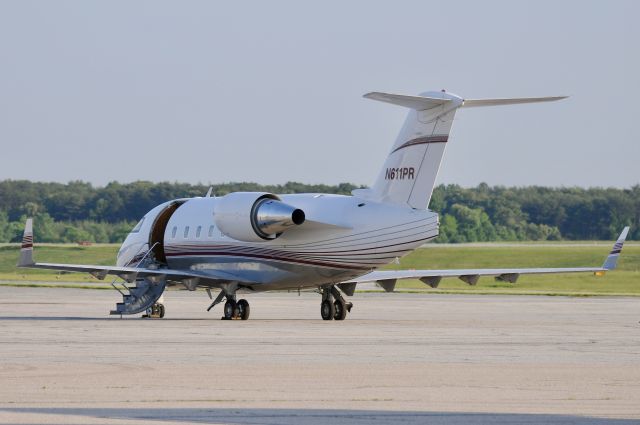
x=247, y=242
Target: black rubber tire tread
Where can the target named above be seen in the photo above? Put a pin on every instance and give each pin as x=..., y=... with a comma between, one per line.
x=245, y=310
x=327, y=310
x=340, y=308
x=230, y=309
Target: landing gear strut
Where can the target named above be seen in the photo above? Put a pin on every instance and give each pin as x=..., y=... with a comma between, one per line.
x=333, y=306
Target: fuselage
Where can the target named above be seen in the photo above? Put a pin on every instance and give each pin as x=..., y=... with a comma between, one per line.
x=343, y=237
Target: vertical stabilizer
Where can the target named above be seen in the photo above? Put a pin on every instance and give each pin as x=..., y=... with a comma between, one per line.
x=409, y=173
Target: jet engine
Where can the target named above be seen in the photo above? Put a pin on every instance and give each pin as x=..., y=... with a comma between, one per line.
x=255, y=216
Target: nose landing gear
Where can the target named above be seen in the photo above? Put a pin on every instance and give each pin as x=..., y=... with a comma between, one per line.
x=156, y=311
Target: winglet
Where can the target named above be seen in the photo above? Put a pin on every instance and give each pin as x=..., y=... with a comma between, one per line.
x=26, y=250
x=612, y=258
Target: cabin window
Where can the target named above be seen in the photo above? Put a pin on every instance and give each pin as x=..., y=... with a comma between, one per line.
x=210, y=231
x=174, y=231
x=198, y=230
x=186, y=232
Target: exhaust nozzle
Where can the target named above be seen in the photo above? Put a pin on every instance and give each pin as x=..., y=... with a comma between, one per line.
x=271, y=217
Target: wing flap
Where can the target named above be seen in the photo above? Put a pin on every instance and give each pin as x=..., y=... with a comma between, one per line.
x=467, y=274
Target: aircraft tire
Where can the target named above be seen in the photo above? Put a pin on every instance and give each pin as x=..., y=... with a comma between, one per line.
x=327, y=310
x=244, y=309
x=230, y=309
x=340, y=308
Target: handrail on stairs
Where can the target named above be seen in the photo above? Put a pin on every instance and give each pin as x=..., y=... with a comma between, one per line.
x=113, y=284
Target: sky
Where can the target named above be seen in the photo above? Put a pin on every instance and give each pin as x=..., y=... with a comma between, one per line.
x=211, y=92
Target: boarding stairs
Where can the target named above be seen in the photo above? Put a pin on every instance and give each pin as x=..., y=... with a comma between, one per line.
x=145, y=292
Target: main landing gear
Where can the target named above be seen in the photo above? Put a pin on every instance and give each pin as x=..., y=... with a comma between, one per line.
x=333, y=306
x=236, y=310
x=233, y=310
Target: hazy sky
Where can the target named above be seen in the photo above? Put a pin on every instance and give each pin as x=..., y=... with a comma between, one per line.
x=203, y=91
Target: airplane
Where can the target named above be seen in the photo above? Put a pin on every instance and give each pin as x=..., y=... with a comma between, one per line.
x=246, y=242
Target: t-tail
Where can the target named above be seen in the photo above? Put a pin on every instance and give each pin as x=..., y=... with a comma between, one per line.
x=409, y=173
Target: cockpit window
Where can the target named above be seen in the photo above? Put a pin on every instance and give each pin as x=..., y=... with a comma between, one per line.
x=138, y=226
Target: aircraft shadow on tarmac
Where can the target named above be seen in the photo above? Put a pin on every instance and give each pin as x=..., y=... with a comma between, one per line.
x=165, y=319
x=241, y=416
x=63, y=318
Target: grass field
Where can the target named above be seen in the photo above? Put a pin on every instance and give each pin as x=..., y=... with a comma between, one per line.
x=102, y=254
x=624, y=281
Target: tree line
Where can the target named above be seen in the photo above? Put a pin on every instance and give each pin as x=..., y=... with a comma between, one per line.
x=78, y=211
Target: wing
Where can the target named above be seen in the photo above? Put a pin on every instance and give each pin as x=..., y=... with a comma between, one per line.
x=191, y=278
x=129, y=274
x=387, y=278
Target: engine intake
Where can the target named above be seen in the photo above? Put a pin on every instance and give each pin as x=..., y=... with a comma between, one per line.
x=252, y=217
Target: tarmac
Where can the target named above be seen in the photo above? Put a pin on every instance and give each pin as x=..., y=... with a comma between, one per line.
x=398, y=358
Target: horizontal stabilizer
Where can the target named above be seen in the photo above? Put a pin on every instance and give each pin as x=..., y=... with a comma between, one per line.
x=419, y=103
x=472, y=103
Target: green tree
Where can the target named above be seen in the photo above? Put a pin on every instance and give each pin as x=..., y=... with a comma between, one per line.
x=4, y=227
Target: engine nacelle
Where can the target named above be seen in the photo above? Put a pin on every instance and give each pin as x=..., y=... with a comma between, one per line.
x=255, y=216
